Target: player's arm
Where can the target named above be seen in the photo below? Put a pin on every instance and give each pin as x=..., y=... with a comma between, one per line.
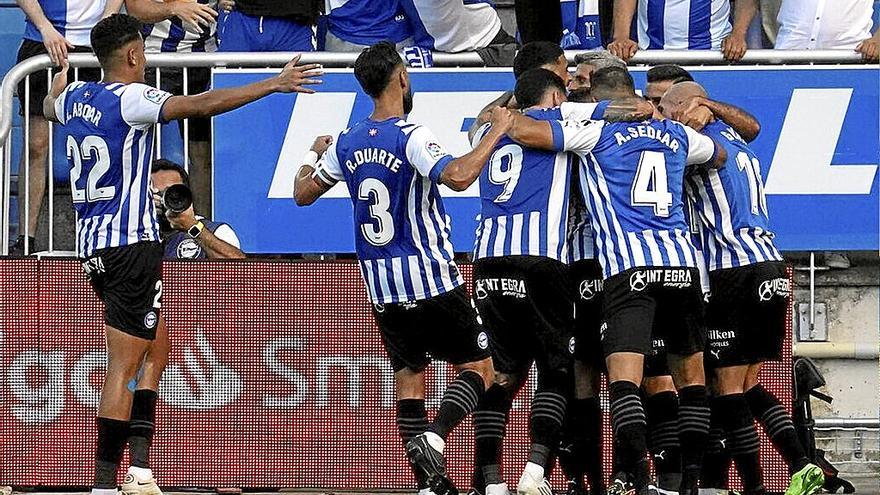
x=631, y=109
x=53, y=103
x=506, y=100
x=579, y=136
x=461, y=172
x=315, y=178
x=56, y=45
x=704, y=151
x=622, y=45
x=188, y=11
x=292, y=79
x=743, y=122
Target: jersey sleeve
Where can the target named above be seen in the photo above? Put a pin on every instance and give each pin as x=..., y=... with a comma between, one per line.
x=328, y=170
x=480, y=134
x=701, y=148
x=226, y=234
x=61, y=102
x=142, y=105
x=579, y=136
x=582, y=111
x=428, y=156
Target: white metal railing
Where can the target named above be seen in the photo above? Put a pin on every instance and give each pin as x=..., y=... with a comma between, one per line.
x=25, y=69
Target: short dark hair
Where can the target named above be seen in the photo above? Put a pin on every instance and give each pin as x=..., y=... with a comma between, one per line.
x=161, y=164
x=533, y=84
x=534, y=55
x=113, y=33
x=668, y=72
x=612, y=79
x=375, y=66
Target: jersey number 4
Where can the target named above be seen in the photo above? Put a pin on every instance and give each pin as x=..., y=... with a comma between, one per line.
x=92, y=148
x=651, y=187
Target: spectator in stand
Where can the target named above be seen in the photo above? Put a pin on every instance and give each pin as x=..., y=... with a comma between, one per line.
x=176, y=36
x=353, y=25
x=670, y=25
x=187, y=235
x=268, y=25
x=581, y=27
x=587, y=63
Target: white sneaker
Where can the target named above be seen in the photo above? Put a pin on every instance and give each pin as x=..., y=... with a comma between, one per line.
x=665, y=492
x=139, y=481
x=529, y=485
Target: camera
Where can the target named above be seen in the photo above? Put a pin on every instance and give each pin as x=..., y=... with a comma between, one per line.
x=177, y=199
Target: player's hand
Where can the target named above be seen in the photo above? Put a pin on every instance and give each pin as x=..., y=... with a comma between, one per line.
x=59, y=82
x=694, y=115
x=182, y=221
x=226, y=5
x=501, y=119
x=293, y=77
x=734, y=47
x=196, y=14
x=870, y=48
x=624, y=48
x=321, y=144
x=56, y=45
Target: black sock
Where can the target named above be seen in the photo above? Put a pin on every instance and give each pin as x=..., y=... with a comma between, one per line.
x=693, y=432
x=630, y=430
x=662, y=412
x=742, y=440
x=112, y=435
x=545, y=421
x=716, y=460
x=582, y=442
x=141, y=427
x=460, y=399
x=490, y=420
x=412, y=420
x=779, y=426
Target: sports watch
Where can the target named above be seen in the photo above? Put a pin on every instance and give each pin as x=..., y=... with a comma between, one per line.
x=196, y=230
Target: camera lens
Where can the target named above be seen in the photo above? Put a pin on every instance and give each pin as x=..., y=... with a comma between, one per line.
x=177, y=198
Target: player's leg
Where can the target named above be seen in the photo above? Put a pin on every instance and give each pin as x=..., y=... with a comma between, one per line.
x=490, y=423
x=38, y=151
x=661, y=408
x=199, y=80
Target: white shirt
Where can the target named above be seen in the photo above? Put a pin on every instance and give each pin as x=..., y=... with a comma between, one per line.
x=823, y=24
x=450, y=25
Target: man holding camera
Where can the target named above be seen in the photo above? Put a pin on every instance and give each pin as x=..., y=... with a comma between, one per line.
x=185, y=234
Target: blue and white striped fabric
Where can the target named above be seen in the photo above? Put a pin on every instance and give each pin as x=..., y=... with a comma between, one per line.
x=74, y=19
x=683, y=24
x=581, y=245
x=172, y=35
x=580, y=25
x=732, y=207
x=637, y=211
x=391, y=169
x=109, y=149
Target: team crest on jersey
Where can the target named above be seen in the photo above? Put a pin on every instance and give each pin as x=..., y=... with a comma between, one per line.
x=189, y=249
x=777, y=287
x=154, y=95
x=151, y=319
x=373, y=132
x=589, y=288
x=483, y=341
x=435, y=150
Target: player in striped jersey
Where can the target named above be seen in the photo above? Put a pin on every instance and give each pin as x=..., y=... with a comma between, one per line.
x=749, y=304
x=635, y=175
x=392, y=169
x=110, y=126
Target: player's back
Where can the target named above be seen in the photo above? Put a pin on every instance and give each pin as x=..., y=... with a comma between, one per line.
x=732, y=205
x=524, y=198
x=401, y=228
x=109, y=148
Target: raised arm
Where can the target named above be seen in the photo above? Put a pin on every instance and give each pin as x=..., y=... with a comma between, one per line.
x=309, y=186
x=742, y=122
x=622, y=45
x=59, y=82
x=506, y=100
x=291, y=79
x=461, y=172
x=188, y=11
x=56, y=45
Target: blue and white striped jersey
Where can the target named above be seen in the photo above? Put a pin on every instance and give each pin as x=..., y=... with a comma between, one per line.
x=580, y=25
x=581, y=245
x=683, y=24
x=635, y=178
x=731, y=205
x=74, y=19
x=366, y=22
x=401, y=233
x=524, y=196
x=109, y=149
x=172, y=35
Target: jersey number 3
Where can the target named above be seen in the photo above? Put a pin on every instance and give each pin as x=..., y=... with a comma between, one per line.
x=381, y=232
x=651, y=187
x=95, y=148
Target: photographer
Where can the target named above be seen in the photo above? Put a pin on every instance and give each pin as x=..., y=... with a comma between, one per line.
x=185, y=234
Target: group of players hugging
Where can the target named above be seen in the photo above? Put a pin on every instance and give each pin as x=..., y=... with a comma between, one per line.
x=586, y=262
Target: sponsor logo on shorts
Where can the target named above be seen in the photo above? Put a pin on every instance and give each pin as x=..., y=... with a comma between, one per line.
x=408, y=305
x=670, y=277
x=93, y=266
x=777, y=287
x=719, y=340
x=189, y=249
x=571, y=343
x=590, y=287
x=483, y=341
x=506, y=286
x=658, y=346
x=151, y=319
x=717, y=335
x=379, y=307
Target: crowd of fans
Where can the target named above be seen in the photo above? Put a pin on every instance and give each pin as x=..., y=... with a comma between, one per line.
x=418, y=28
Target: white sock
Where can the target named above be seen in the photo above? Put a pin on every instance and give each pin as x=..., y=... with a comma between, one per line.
x=497, y=489
x=426, y=491
x=103, y=491
x=435, y=441
x=534, y=470
x=141, y=473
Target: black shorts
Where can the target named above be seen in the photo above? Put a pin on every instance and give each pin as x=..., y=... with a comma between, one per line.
x=128, y=279
x=656, y=362
x=588, y=286
x=527, y=309
x=443, y=327
x=40, y=80
x=654, y=302
x=198, y=80
x=746, y=314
